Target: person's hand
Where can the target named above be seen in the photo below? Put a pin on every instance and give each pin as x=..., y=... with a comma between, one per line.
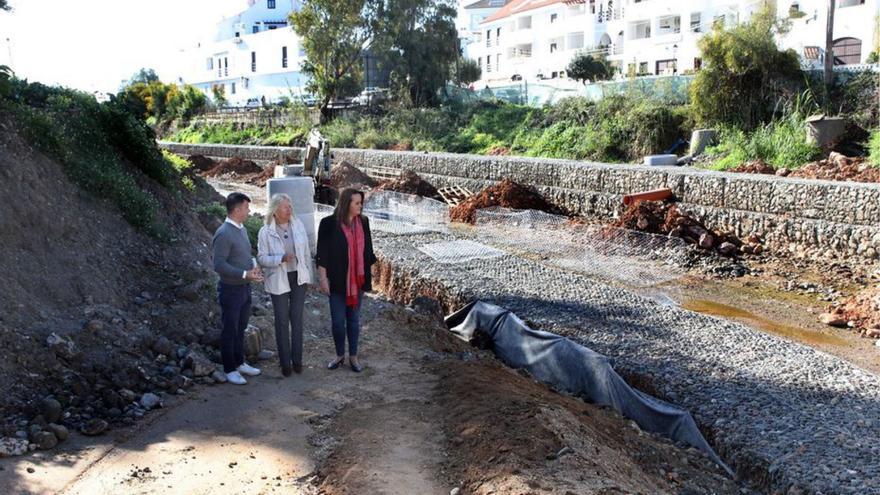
x=324, y=285
x=288, y=258
x=255, y=275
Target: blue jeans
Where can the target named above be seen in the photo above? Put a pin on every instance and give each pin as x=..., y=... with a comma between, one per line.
x=345, y=321
x=235, y=310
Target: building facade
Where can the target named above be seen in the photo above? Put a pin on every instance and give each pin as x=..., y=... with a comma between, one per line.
x=536, y=39
x=254, y=55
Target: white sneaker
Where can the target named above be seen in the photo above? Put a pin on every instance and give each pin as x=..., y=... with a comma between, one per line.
x=246, y=369
x=235, y=378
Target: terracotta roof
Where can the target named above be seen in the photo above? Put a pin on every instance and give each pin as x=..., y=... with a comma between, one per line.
x=517, y=6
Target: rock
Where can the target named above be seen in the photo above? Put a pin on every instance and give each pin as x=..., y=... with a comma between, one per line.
x=45, y=440
x=265, y=355
x=95, y=325
x=252, y=341
x=727, y=249
x=748, y=249
x=150, y=401
x=61, y=432
x=50, y=409
x=11, y=447
x=94, y=427
x=63, y=347
x=191, y=292
x=199, y=364
x=706, y=241
x=758, y=249
x=163, y=346
x=783, y=172
x=127, y=395
x=833, y=320
x=219, y=377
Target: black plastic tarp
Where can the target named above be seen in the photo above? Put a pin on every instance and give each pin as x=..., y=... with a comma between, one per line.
x=574, y=369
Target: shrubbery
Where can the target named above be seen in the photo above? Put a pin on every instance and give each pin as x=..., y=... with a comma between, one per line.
x=92, y=141
x=874, y=148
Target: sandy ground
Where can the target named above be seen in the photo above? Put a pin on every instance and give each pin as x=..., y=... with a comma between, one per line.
x=429, y=414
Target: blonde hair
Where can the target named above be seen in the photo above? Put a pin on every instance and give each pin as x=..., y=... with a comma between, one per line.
x=274, y=203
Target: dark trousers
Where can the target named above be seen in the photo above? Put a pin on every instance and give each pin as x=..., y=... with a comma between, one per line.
x=288, y=310
x=235, y=310
x=345, y=321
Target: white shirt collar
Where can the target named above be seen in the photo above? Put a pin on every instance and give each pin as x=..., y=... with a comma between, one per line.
x=233, y=222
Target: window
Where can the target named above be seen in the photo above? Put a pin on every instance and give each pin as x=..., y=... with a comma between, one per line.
x=225, y=66
x=695, y=23
x=488, y=63
x=497, y=36
x=233, y=88
x=665, y=67
x=256, y=29
x=284, y=57
x=643, y=68
x=210, y=62
x=553, y=18
x=238, y=34
x=270, y=4
x=553, y=47
x=497, y=62
x=480, y=62
x=847, y=51
x=271, y=27
x=253, y=61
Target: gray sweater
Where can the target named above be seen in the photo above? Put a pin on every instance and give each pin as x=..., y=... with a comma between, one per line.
x=232, y=254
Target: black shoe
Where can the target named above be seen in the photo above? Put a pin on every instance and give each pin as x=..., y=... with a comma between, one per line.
x=332, y=365
x=285, y=370
x=357, y=368
x=297, y=368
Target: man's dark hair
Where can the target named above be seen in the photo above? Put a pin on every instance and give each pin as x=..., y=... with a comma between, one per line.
x=235, y=199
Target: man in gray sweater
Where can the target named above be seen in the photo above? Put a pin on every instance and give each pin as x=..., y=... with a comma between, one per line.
x=235, y=265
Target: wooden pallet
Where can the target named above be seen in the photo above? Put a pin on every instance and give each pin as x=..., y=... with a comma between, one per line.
x=454, y=195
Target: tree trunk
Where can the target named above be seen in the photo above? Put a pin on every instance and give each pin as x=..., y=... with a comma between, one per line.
x=829, y=47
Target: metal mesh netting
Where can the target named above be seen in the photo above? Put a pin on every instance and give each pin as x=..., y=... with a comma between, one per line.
x=398, y=213
x=459, y=251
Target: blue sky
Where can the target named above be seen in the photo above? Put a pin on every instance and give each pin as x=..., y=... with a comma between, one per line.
x=95, y=44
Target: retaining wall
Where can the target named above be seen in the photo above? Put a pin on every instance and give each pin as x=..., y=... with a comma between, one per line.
x=792, y=214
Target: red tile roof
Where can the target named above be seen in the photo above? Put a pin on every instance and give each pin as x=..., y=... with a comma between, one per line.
x=517, y=6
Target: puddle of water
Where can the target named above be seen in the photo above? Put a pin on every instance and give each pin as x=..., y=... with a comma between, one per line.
x=793, y=333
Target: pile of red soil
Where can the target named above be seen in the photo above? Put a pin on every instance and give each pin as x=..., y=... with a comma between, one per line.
x=409, y=183
x=201, y=162
x=404, y=146
x=261, y=178
x=234, y=166
x=839, y=167
x=836, y=167
x=863, y=309
x=755, y=167
x=346, y=175
x=499, y=151
x=662, y=218
x=506, y=194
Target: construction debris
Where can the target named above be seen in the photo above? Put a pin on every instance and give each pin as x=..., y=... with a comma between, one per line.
x=506, y=194
x=346, y=175
x=836, y=167
x=860, y=311
x=454, y=195
x=409, y=182
x=234, y=166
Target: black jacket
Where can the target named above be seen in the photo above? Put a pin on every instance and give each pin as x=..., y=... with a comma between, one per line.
x=333, y=254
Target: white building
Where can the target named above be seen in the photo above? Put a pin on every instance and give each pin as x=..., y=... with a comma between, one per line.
x=471, y=13
x=536, y=39
x=254, y=54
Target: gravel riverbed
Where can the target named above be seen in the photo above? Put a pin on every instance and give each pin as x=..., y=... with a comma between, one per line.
x=788, y=418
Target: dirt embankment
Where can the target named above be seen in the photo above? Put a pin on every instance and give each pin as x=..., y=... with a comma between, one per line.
x=836, y=167
x=99, y=314
x=505, y=194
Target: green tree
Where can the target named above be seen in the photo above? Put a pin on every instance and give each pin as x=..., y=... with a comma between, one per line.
x=219, y=92
x=421, y=43
x=744, y=74
x=466, y=71
x=584, y=67
x=5, y=80
x=334, y=33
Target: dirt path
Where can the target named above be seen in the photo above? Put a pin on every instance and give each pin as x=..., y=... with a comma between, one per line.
x=429, y=414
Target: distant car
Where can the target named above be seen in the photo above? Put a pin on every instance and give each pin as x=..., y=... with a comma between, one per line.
x=371, y=96
x=253, y=103
x=307, y=100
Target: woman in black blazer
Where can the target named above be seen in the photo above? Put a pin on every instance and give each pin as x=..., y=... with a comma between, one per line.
x=344, y=258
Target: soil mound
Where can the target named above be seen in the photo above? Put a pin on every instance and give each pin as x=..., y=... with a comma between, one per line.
x=863, y=309
x=506, y=194
x=755, y=167
x=234, y=166
x=201, y=162
x=346, y=175
x=840, y=168
x=656, y=217
x=409, y=183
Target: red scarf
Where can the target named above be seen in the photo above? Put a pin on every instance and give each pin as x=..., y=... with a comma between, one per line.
x=356, y=276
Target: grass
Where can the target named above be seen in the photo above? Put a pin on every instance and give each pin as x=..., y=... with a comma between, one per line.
x=874, y=148
x=781, y=143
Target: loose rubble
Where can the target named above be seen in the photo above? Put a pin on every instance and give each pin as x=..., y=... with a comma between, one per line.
x=409, y=183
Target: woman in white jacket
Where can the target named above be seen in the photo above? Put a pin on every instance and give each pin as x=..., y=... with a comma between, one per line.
x=284, y=253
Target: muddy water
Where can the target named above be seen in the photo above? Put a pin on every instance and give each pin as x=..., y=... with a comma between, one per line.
x=811, y=337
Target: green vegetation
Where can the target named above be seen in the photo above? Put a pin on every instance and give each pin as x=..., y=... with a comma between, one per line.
x=874, y=148
x=158, y=102
x=744, y=75
x=101, y=146
x=584, y=67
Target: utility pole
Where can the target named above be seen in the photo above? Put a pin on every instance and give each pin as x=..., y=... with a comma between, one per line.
x=829, y=47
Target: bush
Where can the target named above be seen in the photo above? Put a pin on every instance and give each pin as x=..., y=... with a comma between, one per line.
x=744, y=74
x=781, y=143
x=874, y=148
